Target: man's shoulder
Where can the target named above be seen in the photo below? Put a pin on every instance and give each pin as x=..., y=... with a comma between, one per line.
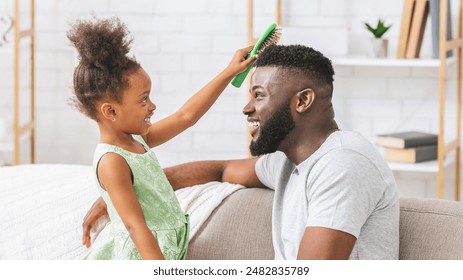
x=274, y=161
x=349, y=145
x=347, y=139
x=270, y=168
x=275, y=156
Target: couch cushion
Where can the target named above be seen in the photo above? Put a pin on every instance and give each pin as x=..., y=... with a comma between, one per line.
x=240, y=228
x=431, y=229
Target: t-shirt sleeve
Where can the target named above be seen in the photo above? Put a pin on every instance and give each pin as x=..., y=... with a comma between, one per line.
x=268, y=168
x=342, y=195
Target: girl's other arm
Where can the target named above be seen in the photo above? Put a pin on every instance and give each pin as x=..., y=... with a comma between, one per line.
x=198, y=104
x=115, y=176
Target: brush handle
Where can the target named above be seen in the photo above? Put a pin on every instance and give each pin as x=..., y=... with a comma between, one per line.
x=239, y=79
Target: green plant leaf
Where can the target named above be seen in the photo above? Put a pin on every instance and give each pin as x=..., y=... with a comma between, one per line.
x=379, y=30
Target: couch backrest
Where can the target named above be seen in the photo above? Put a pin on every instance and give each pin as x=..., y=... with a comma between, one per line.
x=240, y=228
x=431, y=229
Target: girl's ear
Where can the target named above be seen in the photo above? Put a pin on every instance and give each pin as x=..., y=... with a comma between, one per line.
x=108, y=112
x=305, y=99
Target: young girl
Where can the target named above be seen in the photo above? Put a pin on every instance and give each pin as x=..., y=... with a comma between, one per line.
x=113, y=89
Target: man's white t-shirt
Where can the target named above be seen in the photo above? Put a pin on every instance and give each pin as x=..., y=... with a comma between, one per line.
x=345, y=185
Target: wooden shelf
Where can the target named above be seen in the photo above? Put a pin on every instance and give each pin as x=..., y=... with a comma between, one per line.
x=441, y=65
x=389, y=62
x=422, y=167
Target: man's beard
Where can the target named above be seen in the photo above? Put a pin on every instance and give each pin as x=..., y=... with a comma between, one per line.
x=273, y=132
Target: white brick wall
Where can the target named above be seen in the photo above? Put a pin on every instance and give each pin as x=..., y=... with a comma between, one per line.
x=183, y=44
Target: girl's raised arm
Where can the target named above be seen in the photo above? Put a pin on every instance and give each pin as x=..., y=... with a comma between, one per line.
x=198, y=104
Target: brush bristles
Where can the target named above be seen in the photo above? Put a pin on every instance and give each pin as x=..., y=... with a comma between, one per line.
x=272, y=39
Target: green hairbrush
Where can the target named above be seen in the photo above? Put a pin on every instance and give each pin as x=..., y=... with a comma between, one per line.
x=270, y=37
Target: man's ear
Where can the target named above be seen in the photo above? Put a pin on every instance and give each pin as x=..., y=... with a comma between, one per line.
x=305, y=98
x=108, y=111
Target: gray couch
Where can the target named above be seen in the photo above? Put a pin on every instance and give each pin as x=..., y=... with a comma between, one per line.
x=47, y=224
x=240, y=228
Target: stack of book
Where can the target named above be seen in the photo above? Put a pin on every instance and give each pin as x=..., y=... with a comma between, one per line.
x=414, y=16
x=409, y=146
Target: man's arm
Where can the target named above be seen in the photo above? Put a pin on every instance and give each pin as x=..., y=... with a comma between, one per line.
x=319, y=243
x=95, y=212
x=233, y=171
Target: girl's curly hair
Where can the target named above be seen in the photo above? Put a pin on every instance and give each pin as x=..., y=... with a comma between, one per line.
x=104, y=65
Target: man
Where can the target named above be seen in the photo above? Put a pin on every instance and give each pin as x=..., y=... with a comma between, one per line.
x=335, y=197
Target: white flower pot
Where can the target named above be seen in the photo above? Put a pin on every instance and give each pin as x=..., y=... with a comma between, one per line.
x=379, y=47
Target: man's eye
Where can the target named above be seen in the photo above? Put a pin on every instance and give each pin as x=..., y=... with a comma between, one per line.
x=258, y=94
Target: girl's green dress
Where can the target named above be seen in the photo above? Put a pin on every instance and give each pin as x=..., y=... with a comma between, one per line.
x=162, y=211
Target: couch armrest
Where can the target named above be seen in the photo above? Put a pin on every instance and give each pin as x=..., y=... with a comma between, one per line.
x=431, y=229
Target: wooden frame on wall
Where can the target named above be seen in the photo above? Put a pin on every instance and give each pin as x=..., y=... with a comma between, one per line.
x=455, y=145
x=29, y=127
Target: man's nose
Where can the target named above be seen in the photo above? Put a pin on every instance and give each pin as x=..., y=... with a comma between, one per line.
x=249, y=108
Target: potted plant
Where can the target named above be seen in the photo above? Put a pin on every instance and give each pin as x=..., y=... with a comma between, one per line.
x=379, y=44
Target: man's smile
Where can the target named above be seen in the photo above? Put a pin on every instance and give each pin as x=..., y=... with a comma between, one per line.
x=253, y=127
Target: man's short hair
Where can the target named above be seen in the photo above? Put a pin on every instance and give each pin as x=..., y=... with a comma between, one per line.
x=300, y=59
